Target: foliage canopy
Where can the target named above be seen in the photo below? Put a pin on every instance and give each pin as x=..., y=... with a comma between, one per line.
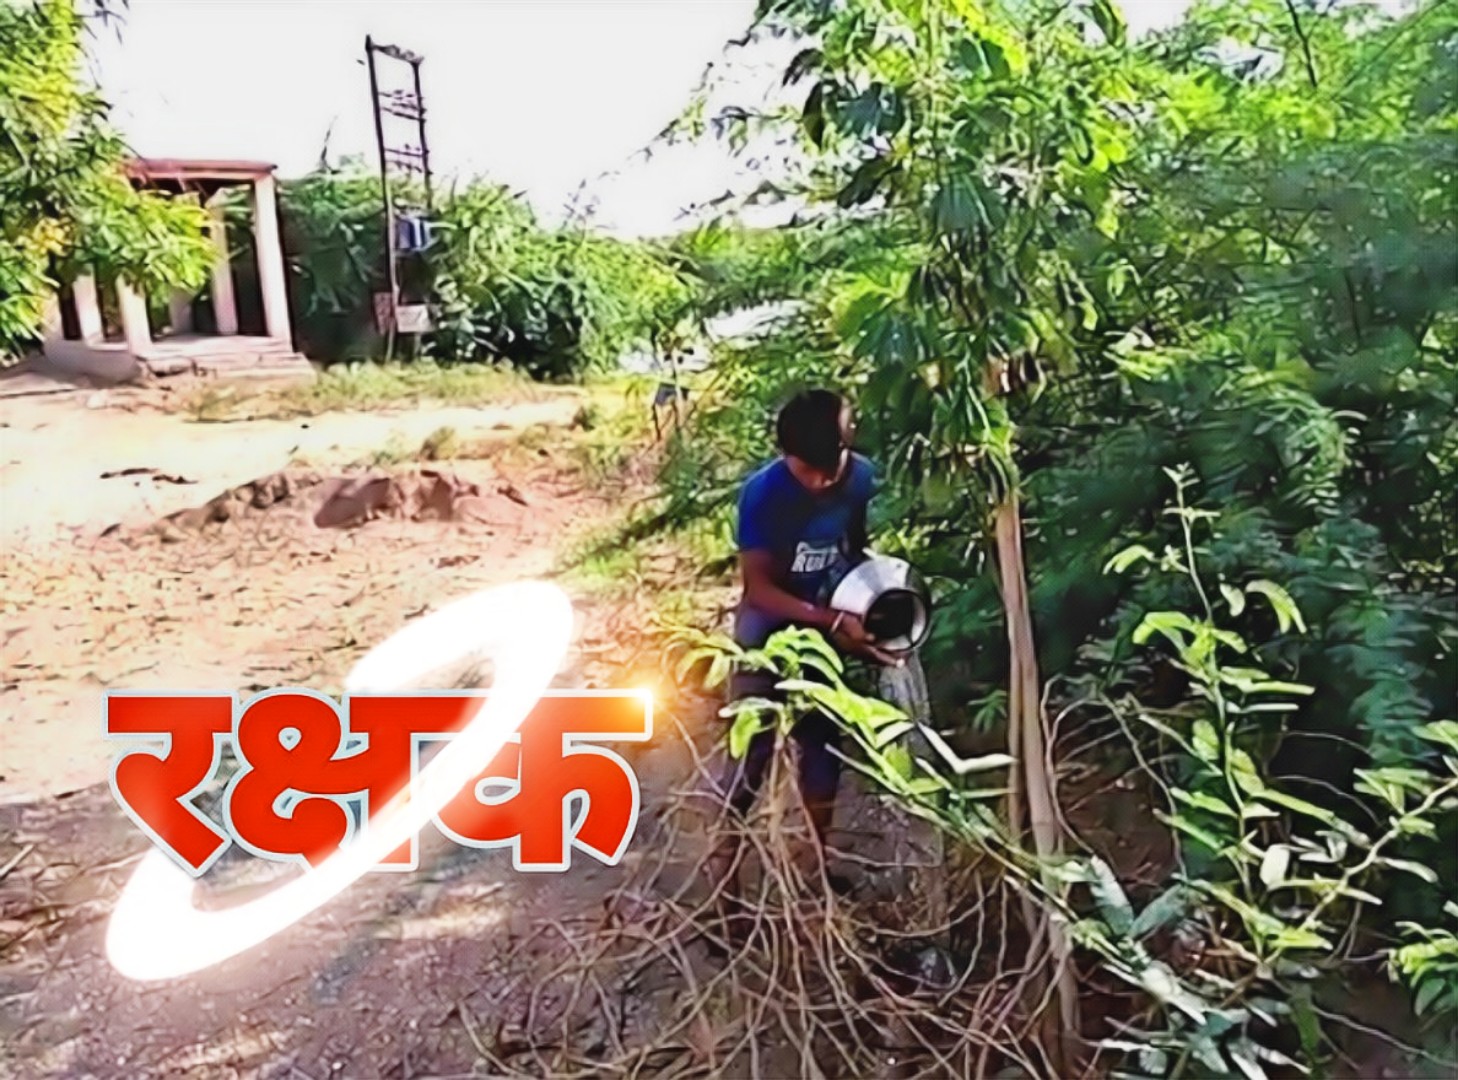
x=65, y=205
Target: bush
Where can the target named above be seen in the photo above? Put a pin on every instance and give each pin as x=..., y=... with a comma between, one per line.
x=65, y=205
x=554, y=303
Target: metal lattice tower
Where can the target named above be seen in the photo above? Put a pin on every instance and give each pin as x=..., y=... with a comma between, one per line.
x=401, y=160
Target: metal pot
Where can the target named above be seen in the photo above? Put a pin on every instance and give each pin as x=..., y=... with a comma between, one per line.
x=890, y=598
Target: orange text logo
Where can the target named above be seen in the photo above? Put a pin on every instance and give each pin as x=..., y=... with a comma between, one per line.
x=312, y=773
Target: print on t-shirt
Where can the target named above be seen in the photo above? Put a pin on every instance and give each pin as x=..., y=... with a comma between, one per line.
x=813, y=558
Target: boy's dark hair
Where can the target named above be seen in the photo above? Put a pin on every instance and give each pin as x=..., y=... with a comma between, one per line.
x=808, y=427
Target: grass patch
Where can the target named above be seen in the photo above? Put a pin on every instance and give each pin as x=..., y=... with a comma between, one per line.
x=396, y=451
x=445, y=443
x=368, y=387
x=615, y=426
x=606, y=573
x=604, y=563
x=683, y=563
x=685, y=573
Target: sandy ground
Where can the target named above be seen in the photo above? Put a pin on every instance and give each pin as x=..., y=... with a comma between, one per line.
x=54, y=450
x=82, y=610
x=401, y=974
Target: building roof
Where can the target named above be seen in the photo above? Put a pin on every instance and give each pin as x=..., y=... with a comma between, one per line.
x=182, y=170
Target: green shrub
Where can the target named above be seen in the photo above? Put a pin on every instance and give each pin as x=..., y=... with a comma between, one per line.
x=553, y=303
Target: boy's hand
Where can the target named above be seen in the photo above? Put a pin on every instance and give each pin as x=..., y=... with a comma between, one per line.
x=852, y=637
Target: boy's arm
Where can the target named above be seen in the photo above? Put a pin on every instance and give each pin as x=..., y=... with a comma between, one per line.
x=761, y=589
x=756, y=567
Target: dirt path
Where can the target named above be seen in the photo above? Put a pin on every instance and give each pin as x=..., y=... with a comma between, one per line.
x=232, y=608
x=402, y=975
x=54, y=451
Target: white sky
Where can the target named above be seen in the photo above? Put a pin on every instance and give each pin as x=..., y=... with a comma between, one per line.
x=538, y=94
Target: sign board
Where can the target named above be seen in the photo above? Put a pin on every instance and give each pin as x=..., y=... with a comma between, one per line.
x=412, y=319
x=402, y=318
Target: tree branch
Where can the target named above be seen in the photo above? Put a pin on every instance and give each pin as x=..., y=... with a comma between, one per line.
x=1305, y=42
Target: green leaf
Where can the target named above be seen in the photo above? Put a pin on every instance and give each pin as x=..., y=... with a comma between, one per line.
x=749, y=705
x=1109, y=895
x=813, y=116
x=1443, y=732
x=1274, y=864
x=1231, y=640
x=1164, y=909
x=963, y=766
x=1169, y=624
x=719, y=669
x=968, y=53
x=1245, y=1060
x=805, y=62
x=1292, y=937
x=1300, y=806
x=1203, y=801
x=1195, y=832
x=874, y=109
x=1276, y=687
x=1234, y=597
x=1416, y=869
x=1118, y=277
x=1161, y=981
x=1392, y=785
x=927, y=785
x=891, y=732
x=691, y=659
x=954, y=207
x=829, y=669
x=1287, y=614
x=1308, y=1024
x=1110, y=21
x=898, y=761
x=1127, y=558
x=863, y=183
x=1426, y=995
x=998, y=60
x=745, y=727
x=1245, y=773
x=801, y=686
x=1206, y=741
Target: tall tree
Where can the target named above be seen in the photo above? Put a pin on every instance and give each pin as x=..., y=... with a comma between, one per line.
x=994, y=135
x=65, y=203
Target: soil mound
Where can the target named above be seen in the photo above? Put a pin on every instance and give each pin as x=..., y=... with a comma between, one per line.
x=348, y=501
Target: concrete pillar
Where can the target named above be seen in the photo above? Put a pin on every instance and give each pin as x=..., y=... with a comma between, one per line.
x=271, y=280
x=179, y=312
x=88, y=310
x=53, y=327
x=225, y=306
x=134, y=318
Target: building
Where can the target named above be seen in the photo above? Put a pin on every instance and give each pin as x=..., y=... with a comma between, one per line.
x=76, y=337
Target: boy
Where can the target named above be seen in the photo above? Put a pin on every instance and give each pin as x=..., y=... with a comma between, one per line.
x=802, y=521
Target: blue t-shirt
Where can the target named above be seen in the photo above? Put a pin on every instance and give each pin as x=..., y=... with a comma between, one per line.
x=808, y=535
